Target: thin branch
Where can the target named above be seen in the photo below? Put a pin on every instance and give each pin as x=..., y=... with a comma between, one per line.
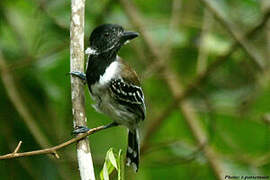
x=167, y=48
x=12, y=92
x=201, y=78
x=18, y=147
x=174, y=22
x=221, y=58
x=24, y=163
x=176, y=89
x=236, y=34
x=84, y=157
x=15, y=97
x=28, y=58
x=51, y=150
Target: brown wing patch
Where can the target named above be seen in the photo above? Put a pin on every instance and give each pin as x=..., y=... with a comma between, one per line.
x=128, y=74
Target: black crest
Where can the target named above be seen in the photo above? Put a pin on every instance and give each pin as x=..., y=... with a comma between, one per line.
x=106, y=36
x=109, y=37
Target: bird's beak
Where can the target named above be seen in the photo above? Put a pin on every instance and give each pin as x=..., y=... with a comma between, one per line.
x=128, y=35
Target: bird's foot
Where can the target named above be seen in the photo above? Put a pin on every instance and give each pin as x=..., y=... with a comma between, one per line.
x=80, y=75
x=84, y=129
x=80, y=129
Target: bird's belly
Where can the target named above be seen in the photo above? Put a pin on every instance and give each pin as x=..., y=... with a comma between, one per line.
x=107, y=105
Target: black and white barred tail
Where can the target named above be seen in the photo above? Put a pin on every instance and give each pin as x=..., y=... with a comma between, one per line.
x=133, y=150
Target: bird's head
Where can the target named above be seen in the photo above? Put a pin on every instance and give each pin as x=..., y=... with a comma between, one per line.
x=109, y=37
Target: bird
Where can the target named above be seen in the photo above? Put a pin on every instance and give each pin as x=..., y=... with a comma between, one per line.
x=114, y=85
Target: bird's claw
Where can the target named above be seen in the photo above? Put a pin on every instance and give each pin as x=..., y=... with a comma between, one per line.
x=80, y=75
x=80, y=129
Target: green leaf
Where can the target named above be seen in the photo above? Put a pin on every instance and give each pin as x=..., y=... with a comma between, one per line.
x=105, y=173
x=121, y=165
x=113, y=161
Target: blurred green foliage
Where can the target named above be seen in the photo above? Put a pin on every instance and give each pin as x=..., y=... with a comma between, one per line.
x=233, y=104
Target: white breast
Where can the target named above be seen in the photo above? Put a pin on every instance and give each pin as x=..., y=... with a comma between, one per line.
x=111, y=72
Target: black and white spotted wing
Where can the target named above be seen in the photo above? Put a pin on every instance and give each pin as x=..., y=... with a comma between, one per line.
x=129, y=95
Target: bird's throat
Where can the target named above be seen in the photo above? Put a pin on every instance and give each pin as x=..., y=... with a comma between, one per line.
x=97, y=65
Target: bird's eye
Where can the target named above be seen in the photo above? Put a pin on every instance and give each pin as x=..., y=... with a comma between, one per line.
x=106, y=34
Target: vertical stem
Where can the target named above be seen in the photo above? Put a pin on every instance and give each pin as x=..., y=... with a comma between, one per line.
x=77, y=88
